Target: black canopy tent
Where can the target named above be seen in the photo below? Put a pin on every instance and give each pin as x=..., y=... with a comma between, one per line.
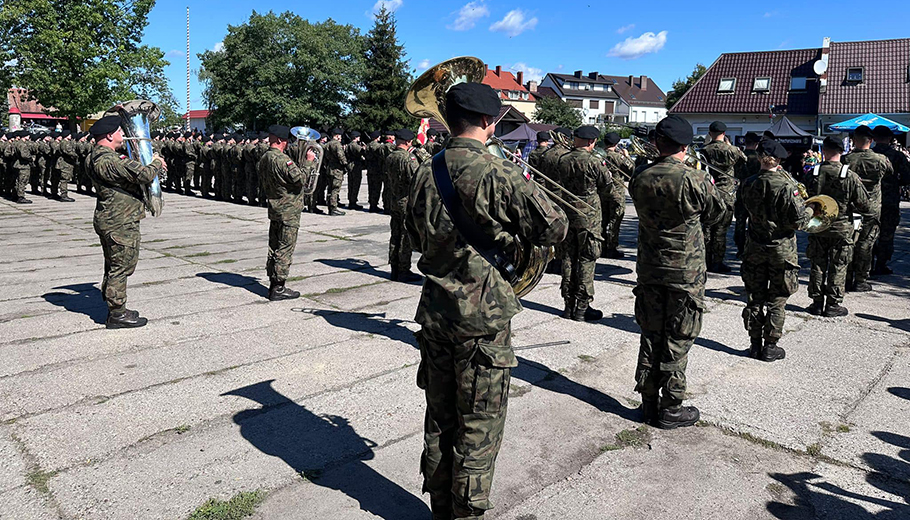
x=787, y=133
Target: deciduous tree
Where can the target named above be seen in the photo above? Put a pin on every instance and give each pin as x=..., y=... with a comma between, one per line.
x=681, y=86
x=555, y=111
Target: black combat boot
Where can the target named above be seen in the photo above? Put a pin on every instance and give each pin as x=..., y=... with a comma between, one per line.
x=354, y=206
x=835, y=310
x=862, y=287
x=278, y=292
x=374, y=209
x=584, y=312
x=394, y=274
x=817, y=308
x=648, y=410
x=755, y=348
x=408, y=276
x=771, y=352
x=720, y=268
x=23, y=200
x=335, y=212
x=125, y=319
x=615, y=254
x=677, y=417
x=315, y=210
x=569, y=312
x=65, y=198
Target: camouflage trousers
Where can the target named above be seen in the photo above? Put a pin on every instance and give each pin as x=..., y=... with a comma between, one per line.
x=355, y=177
x=251, y=178
x=60, y=180
x=716, y=238
x=282, y=241
x=739, y=228
x=768, y=285
x=205, y=181
x=884, y=248
x=120, y=247
x=466, y=383
x=400, y=242
x=580, y=252
x=861, y=265
x=22, y=178
x=828, y=276
x=238, y=183
x=614, y=211
x=322, y=183
x=670, y=320
x=333, y=183
x=374, y=188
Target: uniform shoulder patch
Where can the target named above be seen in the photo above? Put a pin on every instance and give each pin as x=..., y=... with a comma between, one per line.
x=123, y=157
x=290, y=163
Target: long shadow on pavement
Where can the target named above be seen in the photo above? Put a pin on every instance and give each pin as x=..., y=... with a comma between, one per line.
x=900, y=324
x=325, y=449
x=237, y=280
x=86, y=300
x=899, y=391
x=354, y=264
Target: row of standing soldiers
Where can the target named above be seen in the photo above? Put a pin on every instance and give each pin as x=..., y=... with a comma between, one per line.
x=47, y=161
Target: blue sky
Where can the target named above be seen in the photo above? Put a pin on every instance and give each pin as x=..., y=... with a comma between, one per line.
x=663, y=40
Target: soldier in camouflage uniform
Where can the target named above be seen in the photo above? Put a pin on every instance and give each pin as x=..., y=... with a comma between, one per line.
x=119, y=182
x=4, y=164
x=621, y=167
x=217, y=171
x=40, y=176
x=336, y=163
x=724, y=157
x=770, y=269
x=871, y=168
x=400, y=167
x=673, y=202
x=466, y=306
x=354, y=153
x=190, y=160
x=891, y=197
x=65, y=166
x=831, y=250
x=585, y=175
x=744, y=169
x=549, y=162
x=250, y=162
x=536, y=155
x=282, y=186
x=373, y=157
x=22, y=165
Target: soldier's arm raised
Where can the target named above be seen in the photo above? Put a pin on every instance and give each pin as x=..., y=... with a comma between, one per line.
x=117, y=169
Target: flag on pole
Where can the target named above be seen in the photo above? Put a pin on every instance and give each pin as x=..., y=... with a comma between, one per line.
x=422, y=131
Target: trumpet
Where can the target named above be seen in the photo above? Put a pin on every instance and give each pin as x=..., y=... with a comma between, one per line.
x=309, y=140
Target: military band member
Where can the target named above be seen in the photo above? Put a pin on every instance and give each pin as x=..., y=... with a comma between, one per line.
x=64, y=168
x=724, y=157
x=673, y=202
x=744, y=169
x=770, y=269
x=543, y=144
x=621, y=167
x=372, y=155
x=585, y=175
x=354, y=153
x=282, y=186
x=336, y=164
x=830, y=251
x=119, y=182
x=400, y=167
x=891, y=197
x=466, y=306
x=871, y=168
x=22, y=165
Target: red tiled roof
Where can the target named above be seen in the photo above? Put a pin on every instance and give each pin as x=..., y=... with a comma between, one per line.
x=780, y=66
x=634, y=95
x=506, y=110
x=504, y=81
x=885, y=88
x=198, y=114
x=18, y=100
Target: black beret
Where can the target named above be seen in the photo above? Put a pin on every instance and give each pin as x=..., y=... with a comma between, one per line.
x=773, y=148
x=65, y=133
x=337, y=131
x=717, y=127
x=263, y=135
x=188, y=134
x=432, y=131
x=105, y=125
x=237, y=137
x=374, y=134
x=404, y=134
x=768, y=134
x=354, y=134
x=543, y=137
x=612, y=138
x=587, y=132
x=474, y=97
x=564, y=131
x=676, y=129
x=752, y=138
x=882, y=132
x=862, y=131
x=833, y=143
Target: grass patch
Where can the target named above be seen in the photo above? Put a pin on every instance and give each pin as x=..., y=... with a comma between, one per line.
x=295, y=278
x=518, y=391
x=239, y=506
x=155, y=241
x=94, y=245
x=183, y=428
x=225, y=261
x=843, y=428
x=38, y=479
x=632, y=438
x=814, y=450
x=586, y=358
x=194, y=255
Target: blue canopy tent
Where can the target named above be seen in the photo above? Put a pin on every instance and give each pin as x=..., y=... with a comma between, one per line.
x=871, y=120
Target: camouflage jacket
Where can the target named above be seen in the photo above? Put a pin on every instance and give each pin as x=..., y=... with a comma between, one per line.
x=749, y=167
x=69, y=157
x=23, y=154
x=42, y=153
x=335, y=159
x=400, y=166
x=871, y=168
x=891, y=194
x=463, y=295
x=354, y=154
x=372, y=157
x=725, y=157
x=776, y=211
x=282, y=185
x=536, y=156
x=549, y=161
x=584, y=174
x=673, y=202
x=119, y=181
x=190, y=151
x=836, y=180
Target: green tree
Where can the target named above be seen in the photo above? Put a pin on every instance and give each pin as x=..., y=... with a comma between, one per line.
x=282, y=69
x=80, y=56
x=380, y=100
x=554, y=111
x=681, y=86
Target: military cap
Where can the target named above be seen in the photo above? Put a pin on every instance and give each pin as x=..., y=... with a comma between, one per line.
x=354, y=134
x=24, y=133
x=374, y=134
x=611, y=139
x=773, y=148
x=65, y=133
x=404, y=134
x=388, y=132
x=188, y=134
x=676, y=129
x=105, y=125
x=717, y=127
x=337, y=131
x=768, y=134
x=474, y=97
x=543, y=137
x=882, y=132
x=280, y=131
x=587, y=132
x=432, y=131
x=752, y=138
x=263, y=135
x=564, y=131
x=833, y=143
x=863, y=131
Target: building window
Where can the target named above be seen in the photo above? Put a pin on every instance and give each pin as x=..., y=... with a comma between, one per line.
x=587, y=86
x=762, y=84
x=797, y=83
x=573, y=84
x=513, y=94
x=726, y=86
x=656, y=116
x=594, y=103
x=608, y=107
x=575, y=103
x=855, y=74
x=634, y=115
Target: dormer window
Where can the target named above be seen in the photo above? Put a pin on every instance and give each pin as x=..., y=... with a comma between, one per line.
x=855, y=74
x=797, y=83
x=726, y=86
x=762, y=84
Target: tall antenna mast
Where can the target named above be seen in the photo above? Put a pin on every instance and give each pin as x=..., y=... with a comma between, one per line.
x=187, y=68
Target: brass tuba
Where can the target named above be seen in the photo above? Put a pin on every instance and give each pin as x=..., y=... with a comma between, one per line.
x=308, y=139
x=135, y=116
x=825, y=212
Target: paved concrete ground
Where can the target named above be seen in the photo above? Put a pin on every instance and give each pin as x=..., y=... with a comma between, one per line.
x=313, y=401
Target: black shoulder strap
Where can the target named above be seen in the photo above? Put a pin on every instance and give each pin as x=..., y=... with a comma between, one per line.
x=475, y=237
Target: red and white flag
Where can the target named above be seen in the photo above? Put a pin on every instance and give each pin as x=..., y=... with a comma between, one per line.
x=422, y=131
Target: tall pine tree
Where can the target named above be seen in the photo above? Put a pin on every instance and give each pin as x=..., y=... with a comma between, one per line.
x=380, y=103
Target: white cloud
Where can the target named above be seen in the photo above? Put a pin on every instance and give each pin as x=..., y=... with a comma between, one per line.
x=391, y=5
x=530, y=73
x=176, y=53
x=770, y=14
x=514, y=23
x=468, y=16
x=218, y=47
x=625, y=28
x=633, y=48
x=423, y=65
